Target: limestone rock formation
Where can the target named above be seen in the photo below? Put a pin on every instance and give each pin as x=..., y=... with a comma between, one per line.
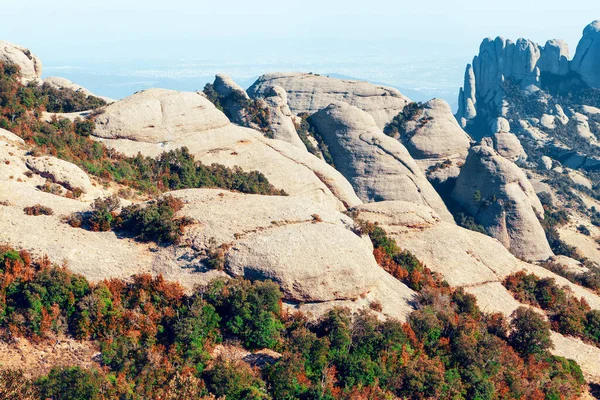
x=226, y=86
x=522, y=61
x=378, y=166
x=232, y=98
x=464, y=258
x=497, y=193
x=507, y=145
x=587, y=57
x=60, y=83
x=61, y=172
x=288, y=240
x=97, y=255
x=305, y=246
x=309, y=93
x=555, y=57
x=500, y=125
x=29, y=65
x=158, y=115
x=436, y=141
x=283, y=122
x=300, y=259
x=546, y=163
x=207, y=133
x=434, y=133
x=583, y=128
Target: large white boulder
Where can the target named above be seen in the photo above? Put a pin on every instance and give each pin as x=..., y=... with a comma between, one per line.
x=158, y=115
x=61, y=172
x=434, y=133
x=500, y=197
x=309, y=93
x=378, y=166
x=28, y=63
x=507, y=145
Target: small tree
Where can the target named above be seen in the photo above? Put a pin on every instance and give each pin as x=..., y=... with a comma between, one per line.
x=102, y=217
x=530, y=332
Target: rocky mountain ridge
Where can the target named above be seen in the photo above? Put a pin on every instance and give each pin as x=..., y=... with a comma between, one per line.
x=309, y=241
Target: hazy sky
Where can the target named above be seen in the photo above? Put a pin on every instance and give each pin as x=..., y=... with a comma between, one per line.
x=280, y=31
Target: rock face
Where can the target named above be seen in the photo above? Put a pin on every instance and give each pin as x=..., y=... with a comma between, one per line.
x=61, y=172
x=98, y=255
x=587, y=57
x=285, y=239
x=555, y=57
x=436, y=141
x=207, y=133
x=301, y=275
x=434, y=133
x=282, y=119
x=378, y=166
x=507, y=145
x=226, y=86
x=28, y=63
x=232, y=97
x=303, y=246
x=524, y=62
x=309, y=93
x=158, y=115
x=497, y=193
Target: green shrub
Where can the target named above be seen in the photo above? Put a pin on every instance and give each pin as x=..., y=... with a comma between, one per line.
x=155, y=221
x=235, y=381
x=249, y=311
x=103, y=215
x=530, y=332
x=62, y=100
x=584, y=230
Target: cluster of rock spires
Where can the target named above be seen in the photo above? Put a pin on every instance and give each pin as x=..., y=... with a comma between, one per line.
x=523, y=61
x=306, y=242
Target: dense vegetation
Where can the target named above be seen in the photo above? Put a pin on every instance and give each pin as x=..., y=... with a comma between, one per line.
x=157, y=342
x=522, y=105
x=21, y=106
x=154, y=221
x=238, y=108
x=567, y=314
x=61, y=100
x=177, y=169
